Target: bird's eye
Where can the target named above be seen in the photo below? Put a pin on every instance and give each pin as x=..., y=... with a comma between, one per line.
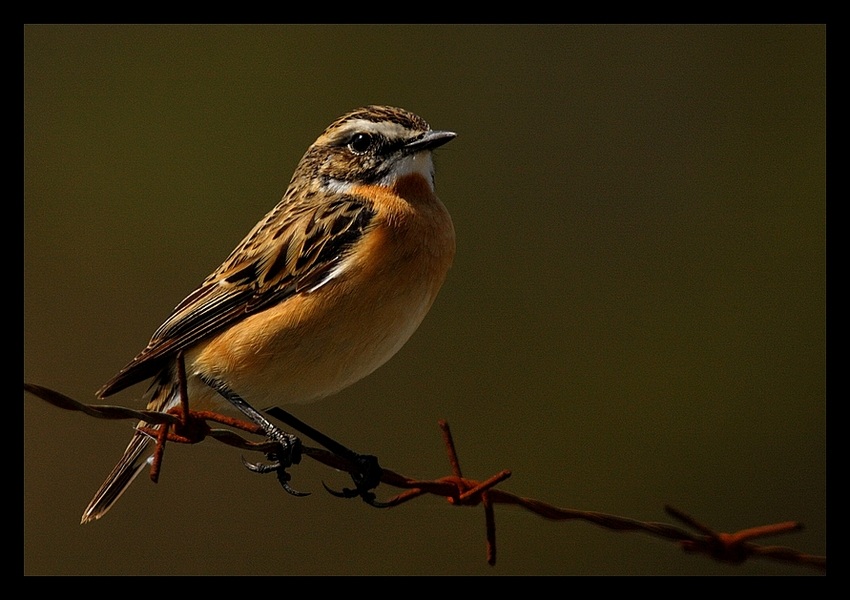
x=360, y=143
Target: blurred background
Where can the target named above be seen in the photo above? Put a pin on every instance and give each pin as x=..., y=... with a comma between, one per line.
x=636, y=315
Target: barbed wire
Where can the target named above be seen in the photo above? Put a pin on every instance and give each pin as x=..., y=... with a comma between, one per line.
x=731, y=548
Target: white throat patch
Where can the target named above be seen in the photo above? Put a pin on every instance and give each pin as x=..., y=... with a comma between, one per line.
x=420, y=163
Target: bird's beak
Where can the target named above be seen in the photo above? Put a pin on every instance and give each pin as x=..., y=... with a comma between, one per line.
x=430, y=140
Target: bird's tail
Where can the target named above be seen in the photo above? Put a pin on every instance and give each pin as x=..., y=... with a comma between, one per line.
x=139, y=453
x=136, y=456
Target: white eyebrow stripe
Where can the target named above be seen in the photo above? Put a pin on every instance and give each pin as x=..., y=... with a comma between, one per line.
x=387, y=129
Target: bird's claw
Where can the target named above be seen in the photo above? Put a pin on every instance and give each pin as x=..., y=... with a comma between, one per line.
x=367, y=495
x=366, y=478
x=260, y=467
x=291, y=455
x=283, y=478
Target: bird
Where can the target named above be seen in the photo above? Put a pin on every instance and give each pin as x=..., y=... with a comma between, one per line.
x=322, y=291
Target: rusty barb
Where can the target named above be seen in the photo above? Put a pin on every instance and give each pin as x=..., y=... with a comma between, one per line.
x=731, y=548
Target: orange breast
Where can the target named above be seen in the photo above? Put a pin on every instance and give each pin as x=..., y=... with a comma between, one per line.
x=317, y=343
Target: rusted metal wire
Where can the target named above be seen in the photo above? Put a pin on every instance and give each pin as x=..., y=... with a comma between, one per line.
x=732, y=548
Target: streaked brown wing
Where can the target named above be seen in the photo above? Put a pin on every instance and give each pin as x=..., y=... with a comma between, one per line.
x=295, y=248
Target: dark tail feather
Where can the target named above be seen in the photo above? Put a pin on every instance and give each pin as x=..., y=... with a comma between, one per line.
x=131, y=464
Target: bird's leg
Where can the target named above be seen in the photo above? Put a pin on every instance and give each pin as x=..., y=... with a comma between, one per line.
x=156, y=459
x=289, y=446
x=183, y=388
x=367, y=472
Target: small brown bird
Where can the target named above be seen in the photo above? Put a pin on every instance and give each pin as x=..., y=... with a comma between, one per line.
x=323, y=290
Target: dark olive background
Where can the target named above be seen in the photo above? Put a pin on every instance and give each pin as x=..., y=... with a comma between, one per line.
x=636, y=315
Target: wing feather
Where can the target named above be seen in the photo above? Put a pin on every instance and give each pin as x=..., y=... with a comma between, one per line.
x=296, y=248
